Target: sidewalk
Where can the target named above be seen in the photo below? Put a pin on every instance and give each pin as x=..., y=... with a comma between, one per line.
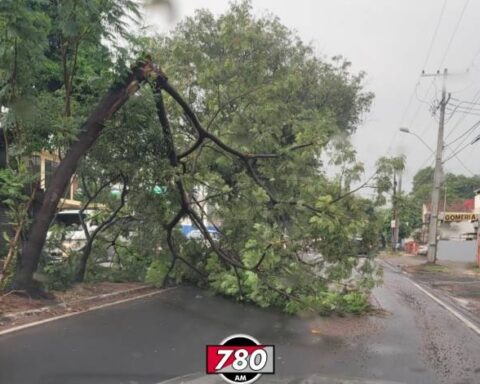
x=18, y=310
x=457, y=280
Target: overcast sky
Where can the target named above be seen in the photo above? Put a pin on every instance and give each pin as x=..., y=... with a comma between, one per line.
x=390, y=40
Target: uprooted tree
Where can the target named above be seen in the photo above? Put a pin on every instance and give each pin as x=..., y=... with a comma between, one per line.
x=244, y=148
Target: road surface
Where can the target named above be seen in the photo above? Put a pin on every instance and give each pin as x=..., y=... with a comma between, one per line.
x=412, y=340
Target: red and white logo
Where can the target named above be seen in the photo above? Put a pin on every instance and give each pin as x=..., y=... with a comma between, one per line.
x=240, y=359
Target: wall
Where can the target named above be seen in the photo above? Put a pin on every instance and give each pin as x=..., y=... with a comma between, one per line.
x=455, y=230
x=457, y=250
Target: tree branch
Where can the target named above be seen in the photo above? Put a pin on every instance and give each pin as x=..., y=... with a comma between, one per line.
x=203, y=133
x=363, y=185
x=89, y=201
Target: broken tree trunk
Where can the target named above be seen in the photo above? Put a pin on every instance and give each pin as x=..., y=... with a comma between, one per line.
x=90, y=131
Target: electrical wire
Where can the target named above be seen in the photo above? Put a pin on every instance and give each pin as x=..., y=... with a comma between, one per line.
x=464, y=166
x=464, y=101
x=465, y=133
x=456, y=152
x=425, y=129
x=452, y=37
x=470, y=113
x=414, y=93
x=466, y=136
x=462, y=107
x=474, y=58
x=450, y=42
x=475, y=98
x=429, y=51
x=422, y=100
x=427, y=57
x=428, y=160
x=460, y=162
x=464, y=110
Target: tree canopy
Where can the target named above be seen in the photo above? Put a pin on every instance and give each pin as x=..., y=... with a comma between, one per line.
x=457, y=187
x=239, y=136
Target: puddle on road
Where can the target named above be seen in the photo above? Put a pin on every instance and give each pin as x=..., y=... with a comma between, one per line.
x=344, y=327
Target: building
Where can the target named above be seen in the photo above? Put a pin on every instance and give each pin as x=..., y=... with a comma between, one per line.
x=457, y=221
x=45, y=163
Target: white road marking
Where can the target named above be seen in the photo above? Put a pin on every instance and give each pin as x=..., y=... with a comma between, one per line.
x=453, y=311
x=40, y=322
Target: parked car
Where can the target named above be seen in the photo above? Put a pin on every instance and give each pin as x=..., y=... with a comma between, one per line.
x=196, y=234
x=422, y=250
x=193, y=233
x=66, y=233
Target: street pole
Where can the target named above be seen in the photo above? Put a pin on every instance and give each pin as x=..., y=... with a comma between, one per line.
x=437, y=177
x=396, y=233
x=394, y=210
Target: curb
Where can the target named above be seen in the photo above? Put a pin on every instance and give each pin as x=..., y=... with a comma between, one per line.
x=94, y=308
x=64, y=305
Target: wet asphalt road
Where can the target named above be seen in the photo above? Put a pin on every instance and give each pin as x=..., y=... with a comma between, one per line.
x=412, y=340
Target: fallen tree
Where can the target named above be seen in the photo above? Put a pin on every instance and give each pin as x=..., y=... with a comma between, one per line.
x=250, y=121
x=189, y=205
x=90, y=132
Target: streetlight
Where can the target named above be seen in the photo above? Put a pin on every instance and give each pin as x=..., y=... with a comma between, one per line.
x=406, y=130
x=433, y=225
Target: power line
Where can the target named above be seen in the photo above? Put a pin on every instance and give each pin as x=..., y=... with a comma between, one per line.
x=421, y=100
x=464, y=101
x=452, y=37
x=471, y=113
x=391, y=142
x=463, y=141
x=414, y=93
x=461, y=162
x=435, y=34
x=427, y=57
x=427, y=160
x=465, y=108
x=456, y=152
x=454, y=155
x=472, y=63
x=464, y=133
x=475, y=98
x=464, y=166
x=466, y=111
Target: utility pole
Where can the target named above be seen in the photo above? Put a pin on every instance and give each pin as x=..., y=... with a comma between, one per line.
x=396, y=232
x=437, y=177
x=394, y=221
x=444, y=194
